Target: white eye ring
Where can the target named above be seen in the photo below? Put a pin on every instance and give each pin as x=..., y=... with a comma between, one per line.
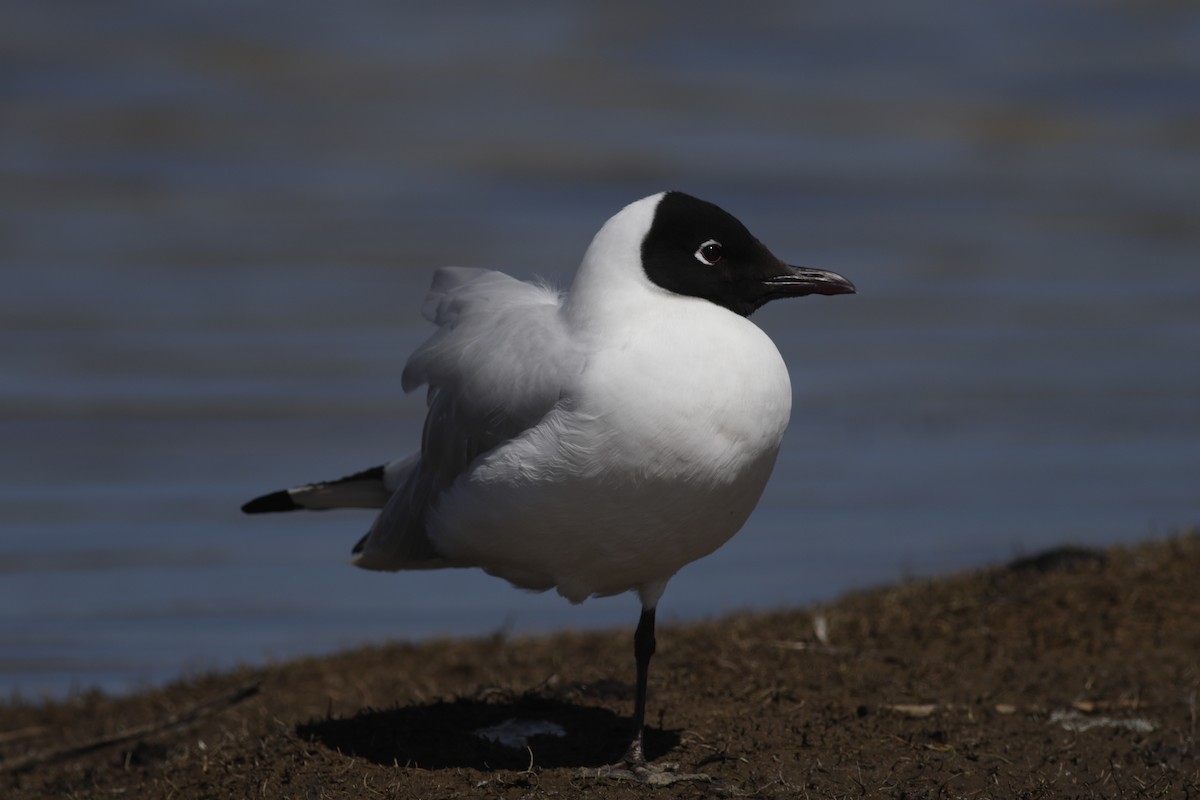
x=708, y=253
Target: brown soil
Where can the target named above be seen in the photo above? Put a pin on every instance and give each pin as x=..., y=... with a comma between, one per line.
x=1068, y=676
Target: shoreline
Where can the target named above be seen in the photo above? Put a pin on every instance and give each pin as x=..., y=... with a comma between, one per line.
x=1073, y=673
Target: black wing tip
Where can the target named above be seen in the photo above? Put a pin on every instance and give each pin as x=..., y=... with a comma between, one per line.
x=372, y=474
x=269, y=503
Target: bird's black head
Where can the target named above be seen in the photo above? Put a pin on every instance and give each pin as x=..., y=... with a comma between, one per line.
x=695, y=248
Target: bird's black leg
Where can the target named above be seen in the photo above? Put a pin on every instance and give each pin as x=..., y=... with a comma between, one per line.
x=633, y=767
x=643, y=649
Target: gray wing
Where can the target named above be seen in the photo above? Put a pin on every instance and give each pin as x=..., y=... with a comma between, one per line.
x=496, y=365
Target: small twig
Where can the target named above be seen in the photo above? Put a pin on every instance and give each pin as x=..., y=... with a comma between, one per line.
x=713, y=758
x=177, y=720
x=810, y=647
x=21, y=733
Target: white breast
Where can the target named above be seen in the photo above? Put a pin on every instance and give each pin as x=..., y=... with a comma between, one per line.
x=654, y=459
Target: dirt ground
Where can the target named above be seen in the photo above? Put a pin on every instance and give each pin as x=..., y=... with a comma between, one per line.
x=1071, y=675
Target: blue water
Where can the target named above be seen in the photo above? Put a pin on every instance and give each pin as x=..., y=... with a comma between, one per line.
x=217, y=222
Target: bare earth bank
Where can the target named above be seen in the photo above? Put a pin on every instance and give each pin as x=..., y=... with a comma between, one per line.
x=1073, y=675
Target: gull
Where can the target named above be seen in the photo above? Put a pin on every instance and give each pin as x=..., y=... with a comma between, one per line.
x=592, y=441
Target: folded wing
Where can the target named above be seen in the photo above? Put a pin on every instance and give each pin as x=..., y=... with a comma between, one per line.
x=496, y=365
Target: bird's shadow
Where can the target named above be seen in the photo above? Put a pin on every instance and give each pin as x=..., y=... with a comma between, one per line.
x=444, y=734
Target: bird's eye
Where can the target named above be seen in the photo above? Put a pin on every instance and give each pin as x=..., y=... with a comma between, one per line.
x=709, y=253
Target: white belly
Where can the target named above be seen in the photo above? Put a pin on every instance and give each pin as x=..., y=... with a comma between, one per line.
x=645, y=467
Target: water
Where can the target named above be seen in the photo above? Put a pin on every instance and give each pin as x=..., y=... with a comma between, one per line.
x=217, y=221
